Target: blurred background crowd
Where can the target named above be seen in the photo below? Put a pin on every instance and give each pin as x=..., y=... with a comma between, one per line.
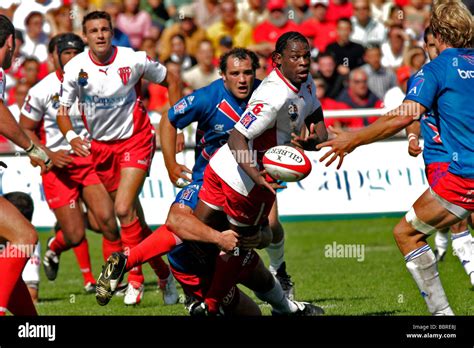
x=363, y=51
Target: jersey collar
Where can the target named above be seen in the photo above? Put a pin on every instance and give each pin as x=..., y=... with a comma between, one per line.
x=285, y=80
x=59, y=75
x=109, y=61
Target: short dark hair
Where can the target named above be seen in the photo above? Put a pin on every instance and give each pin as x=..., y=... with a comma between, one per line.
x=372, y=47
x=284, y=39
x=428, y=31
x=326, y=54
x=345, y=20
x=22, y=202
x=239, y=53
x=6, y=29
x=31, y=15
x=96, y=15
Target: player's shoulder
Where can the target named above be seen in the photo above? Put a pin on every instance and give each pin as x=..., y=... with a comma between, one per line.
x=78, y=62
x=275, y=89
x=48, y=85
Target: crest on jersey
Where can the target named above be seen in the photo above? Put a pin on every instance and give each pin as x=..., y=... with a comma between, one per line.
x=82, y=78
x=469, y=58
x=247, y=119
x=293, y=111
x=180, y=107
x=188, y=194
x=416, y=87
x=55, y=101
x=125, y=73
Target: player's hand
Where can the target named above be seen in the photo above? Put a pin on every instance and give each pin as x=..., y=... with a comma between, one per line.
x=179, y=142
x=60, y=158
x=342, y=144
x=228, y=241
x=259, y=240
x=263, y=183
x=179, y=171
x=81, y=146
x=414, y=148
x=307, y=143
x=39, y=158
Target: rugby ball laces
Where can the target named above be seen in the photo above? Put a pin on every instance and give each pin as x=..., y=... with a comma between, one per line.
x=286, y=163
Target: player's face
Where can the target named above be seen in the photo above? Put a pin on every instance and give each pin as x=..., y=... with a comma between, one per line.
x=98, y=36
x=67, y=55
x=10, y=50
x=294, y=62
x=239, y=77
x=430, y=47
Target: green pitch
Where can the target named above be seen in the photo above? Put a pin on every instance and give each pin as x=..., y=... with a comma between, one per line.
x=350, y=267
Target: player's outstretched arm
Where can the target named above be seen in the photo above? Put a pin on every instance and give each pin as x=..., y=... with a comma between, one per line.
x=188, y=227
x=79, y=146
x=413, y=134
x=175, y=87
x=386, y=126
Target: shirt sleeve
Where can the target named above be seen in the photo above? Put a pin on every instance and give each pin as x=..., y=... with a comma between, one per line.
x=68, y=92
x=423, y=87
x=153, y=71
x=34, y=106
x=188, y=110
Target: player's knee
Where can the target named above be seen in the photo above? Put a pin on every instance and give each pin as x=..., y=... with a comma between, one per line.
x=400, y=232
x=73, y=239
x=461, y=226
x=123, y=210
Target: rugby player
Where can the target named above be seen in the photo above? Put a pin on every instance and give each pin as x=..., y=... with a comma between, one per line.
x=17, y=235
x=445, y=86
x=72, y=176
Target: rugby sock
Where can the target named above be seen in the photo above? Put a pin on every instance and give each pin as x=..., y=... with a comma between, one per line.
x=20, y=302
x=277, y=299
x=462, y=245
x=276, y=252
x=58, y=244
x=132, y=236
x=13, y=261
x=421, y=263
x=84, y=261
x=158, y=243
x=441, y=242
x=109, y=247
x=159, y=266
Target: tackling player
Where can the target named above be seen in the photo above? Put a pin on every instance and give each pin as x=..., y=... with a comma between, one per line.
x=16, y=232
x=106, y=80
x=72, y=176
x=437, y=159
x=444, y=85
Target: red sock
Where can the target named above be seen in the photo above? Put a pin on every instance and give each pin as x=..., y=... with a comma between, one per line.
x=84, y=261
x=58, y=245
x=13, y=261
x=109, y=247
x=226, y=273
x=131, y=236
x=159, y=266
x=158, y=243
x=20, y=302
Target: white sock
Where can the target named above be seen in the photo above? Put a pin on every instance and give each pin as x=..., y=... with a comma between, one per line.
x=276, y=252
x=421, y=263
x=462, y=245
x=441, y=242
x=277, y=299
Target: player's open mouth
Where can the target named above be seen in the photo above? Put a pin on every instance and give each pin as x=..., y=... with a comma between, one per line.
x=243, y=89
x=303, y=74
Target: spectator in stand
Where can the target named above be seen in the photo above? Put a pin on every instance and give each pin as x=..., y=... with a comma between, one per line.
x=366, y=30
x=396, y=17
x=327, y=69
x=120, y=38
x=229, y=25
x=157, y=10
x=349, y=55
x=179, y=54
x=60, y=20
x=17, y=61
x=339, y=9
x=204, y=72
x=330, y=104
x=253, y=12
x=417, y=17
x=207, y=13
x=79, y=9
x=263, y=69
x=266, y=33
x=225, y=44
x=29, y=71
x=393, y=50
x=173, y=6
x=187, y=28
x=318, y=28
x=380, y=79
x=413, y=60
x=36, y=41
x=21, y=90
x=358, y=96
x=134, y=22
x=299, y=11
x=25, y=8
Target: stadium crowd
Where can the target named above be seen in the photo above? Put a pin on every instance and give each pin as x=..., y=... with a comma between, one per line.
x=363, y=52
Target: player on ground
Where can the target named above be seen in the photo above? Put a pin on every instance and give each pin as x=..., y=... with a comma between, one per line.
x=278, y=110
x=106, y=80
x=437, y=159
x=72, y=177
x=16, y=231
x=445, y=86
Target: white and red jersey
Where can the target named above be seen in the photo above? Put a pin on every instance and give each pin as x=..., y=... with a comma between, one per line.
x=42, y=105
x=275, y=110
x=3, y=84
x=109, y=94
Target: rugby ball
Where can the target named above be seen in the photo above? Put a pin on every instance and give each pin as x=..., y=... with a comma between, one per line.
x=286, y=163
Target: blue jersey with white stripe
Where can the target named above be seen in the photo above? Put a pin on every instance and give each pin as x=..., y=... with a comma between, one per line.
x=445, y=86
x=216, y=111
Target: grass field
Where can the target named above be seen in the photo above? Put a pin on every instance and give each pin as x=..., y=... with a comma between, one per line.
x=378, y=285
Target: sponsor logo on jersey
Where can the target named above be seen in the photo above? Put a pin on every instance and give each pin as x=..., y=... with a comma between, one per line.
x=219, y=127
x=293, y=111
x=55, y=101
x=82, y=78
x=469, y=58
x=416, y=87
x=419, y=73
x=466, y=74
x=125, y=73
x=104, y=71
x=188, y=194
x=190, y=99
x=180, y=107
x=247, y=119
